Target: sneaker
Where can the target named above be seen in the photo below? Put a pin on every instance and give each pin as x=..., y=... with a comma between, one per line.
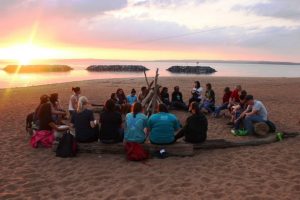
x=234, y=132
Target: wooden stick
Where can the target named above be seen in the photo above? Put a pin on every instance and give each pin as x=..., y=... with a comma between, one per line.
x=146, y=79
x=154, y=100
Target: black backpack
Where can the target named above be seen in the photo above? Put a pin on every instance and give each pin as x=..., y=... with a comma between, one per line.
x=67, y=146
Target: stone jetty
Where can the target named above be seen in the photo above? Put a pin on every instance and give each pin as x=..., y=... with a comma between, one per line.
x=117, y=68
x=192, y=69
x=36, y=68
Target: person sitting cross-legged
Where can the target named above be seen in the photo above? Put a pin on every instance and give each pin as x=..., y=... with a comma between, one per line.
x=177, y=100
x=162, y=126
x=195, y=129
x=209, y=101
x=225, y=102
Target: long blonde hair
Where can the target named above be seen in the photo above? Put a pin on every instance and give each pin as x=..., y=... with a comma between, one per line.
x=82, y=101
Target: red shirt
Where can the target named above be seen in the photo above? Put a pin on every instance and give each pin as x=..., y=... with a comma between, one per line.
x=226, y=97
x=235, y=95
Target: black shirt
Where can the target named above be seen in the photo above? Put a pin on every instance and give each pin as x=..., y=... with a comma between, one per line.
x=195, y=129
x=165, y=97
x=110, y=126
x=45, y=117
x=177, y=97
x=84, y=131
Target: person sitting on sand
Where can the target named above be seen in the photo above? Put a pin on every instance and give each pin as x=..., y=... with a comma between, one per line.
x=111, y=124
x=86, y=127
x=177, y=100
x=258, y=113
x=164, y=96
x=196, y=93
x=209, y=100
x=195, y=129
x=225, y=102
x=135, y=125
x=132, y=98
x=45, y=134
x=57, y=112
x=235, y=96
x=43, y=99
x=74, y=100
x=142, y=94
x=162, y=126
x=121, y=97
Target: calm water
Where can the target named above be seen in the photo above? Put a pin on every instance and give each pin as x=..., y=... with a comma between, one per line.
x=79, y=73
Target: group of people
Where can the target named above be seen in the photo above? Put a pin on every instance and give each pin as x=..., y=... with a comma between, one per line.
x=161, y=127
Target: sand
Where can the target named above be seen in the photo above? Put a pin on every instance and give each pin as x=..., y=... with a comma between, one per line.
x=263, y=172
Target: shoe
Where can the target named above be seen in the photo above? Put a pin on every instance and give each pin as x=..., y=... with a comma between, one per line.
x=234, y=132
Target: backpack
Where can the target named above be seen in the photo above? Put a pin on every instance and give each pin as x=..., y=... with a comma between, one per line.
x=135, y=152
x=272, y=127
x=67, y=146
x=29, y=120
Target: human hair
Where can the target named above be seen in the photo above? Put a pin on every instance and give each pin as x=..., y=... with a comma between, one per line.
x=133, y=91
x=195, y=106
x=239, y=87
x=162, y=108
x=75, y=89
x=82, y=101
x=44, y=99
x=227, y=90
x=176, y=88
x=136, y=108
x=164, y=90
x=44, y=111
x=53, y=98
x=244, y=92
x=143, y=88
x=208, y=85
x=197, y=84
x=113, y=96
x=110, y=105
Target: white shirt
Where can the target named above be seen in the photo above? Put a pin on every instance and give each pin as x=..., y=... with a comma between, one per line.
x=261, y=109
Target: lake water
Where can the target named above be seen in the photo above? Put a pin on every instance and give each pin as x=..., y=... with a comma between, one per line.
x=79, y=73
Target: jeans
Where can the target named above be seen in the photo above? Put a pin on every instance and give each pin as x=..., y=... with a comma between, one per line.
x=238, y=123
x=208, y=106
x=179, y=105
x=220, y=108
x=249, y=120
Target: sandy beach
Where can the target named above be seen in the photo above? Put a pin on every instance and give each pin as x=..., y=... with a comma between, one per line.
x=262, y=172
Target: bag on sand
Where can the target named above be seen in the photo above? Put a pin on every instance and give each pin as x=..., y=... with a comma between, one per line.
x=67, y=146
x=135, y=152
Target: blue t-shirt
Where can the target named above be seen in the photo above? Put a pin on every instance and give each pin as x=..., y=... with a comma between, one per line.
x=131, y=99
x=163, y=126
x=134, y=127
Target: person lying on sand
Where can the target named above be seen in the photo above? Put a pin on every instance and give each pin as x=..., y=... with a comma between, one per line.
x=195, y=129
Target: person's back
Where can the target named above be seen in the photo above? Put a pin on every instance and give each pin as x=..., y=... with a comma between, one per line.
x=134, y=127
x=162, y=126
x=196, y=128
x=111, y=121
x=82, y=123
x=261, y=109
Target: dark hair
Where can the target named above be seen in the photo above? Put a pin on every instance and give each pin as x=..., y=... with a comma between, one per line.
x=110, y=105
x=242, y=97
x=113, y=95
x=176, y=88
x=143, y=88
x=136, y=108
x=44, y=99
x=227, y=90
x=163, y=90
x=249, y=97
x=44, y=111
x=208, y=85
x=162, y=108
x=75, y=89
x=133, y=91
x=53, y=98
x=244, y=92
x=119, y=89
x=195, y=106
x=197, y=84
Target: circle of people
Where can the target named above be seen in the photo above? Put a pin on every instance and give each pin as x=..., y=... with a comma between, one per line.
x=161, y=127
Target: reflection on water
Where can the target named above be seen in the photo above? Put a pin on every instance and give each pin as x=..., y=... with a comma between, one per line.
x=79, y=73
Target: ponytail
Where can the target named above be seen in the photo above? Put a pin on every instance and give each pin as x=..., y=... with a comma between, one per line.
x=81, y=103
x=136, y=108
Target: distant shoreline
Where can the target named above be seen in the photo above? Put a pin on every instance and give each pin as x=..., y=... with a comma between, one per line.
x=266, y=62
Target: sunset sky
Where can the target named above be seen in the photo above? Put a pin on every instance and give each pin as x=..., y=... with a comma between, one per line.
x=150, y=29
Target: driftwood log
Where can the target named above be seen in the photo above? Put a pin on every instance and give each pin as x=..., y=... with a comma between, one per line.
x=222, y=144
x=178, y=149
